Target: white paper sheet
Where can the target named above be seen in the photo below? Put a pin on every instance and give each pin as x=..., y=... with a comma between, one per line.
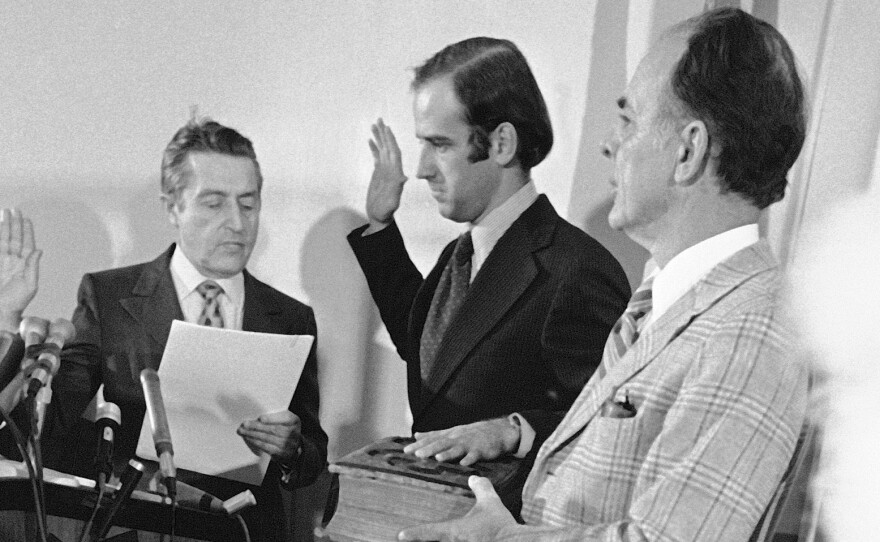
x=212, y=380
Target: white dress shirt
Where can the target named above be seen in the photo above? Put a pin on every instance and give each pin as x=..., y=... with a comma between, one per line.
x=690, y=265
x=486, y=233
x=186, y=279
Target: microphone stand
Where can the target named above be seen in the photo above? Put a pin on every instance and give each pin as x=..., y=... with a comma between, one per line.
x=36, y=403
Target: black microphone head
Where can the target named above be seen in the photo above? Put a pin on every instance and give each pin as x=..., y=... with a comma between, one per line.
x=107, y=421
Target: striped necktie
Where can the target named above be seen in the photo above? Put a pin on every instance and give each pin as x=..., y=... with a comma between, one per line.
x=626, y=330
x=448, y=297
x=211, y=315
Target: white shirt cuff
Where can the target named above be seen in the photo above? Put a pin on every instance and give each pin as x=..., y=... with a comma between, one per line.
x=526, y=434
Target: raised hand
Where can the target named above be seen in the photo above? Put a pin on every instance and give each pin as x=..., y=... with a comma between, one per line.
x=472, y=442
x=19, y=267
x=386, y=184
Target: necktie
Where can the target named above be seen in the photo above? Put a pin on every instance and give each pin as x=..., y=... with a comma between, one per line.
x=448, y=297
x=626, y=330
x=211, y=315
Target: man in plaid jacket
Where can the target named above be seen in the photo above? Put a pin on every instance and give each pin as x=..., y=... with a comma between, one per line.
x=688, y=426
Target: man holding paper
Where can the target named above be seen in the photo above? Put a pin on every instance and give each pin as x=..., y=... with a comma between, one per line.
x=211, y=185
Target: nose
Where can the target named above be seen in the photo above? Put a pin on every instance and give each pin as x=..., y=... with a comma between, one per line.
x=235, y=218
x=425, y=168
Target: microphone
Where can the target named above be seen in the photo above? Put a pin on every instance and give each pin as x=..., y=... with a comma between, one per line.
x=127, y=482
x=159, y=425
x=33, y=330
x=193, y=497
x=109, y=418
x=48, y=354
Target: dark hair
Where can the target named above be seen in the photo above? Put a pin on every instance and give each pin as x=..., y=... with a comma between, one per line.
x=739, y=76
x=494, y=83
x=202, y=135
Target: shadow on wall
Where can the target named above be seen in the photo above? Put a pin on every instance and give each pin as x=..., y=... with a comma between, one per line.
x=362, y=382
x=74, y=240
x=149, y=232
x=591, y=196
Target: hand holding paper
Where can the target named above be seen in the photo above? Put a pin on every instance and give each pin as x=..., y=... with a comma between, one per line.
x=212, y=380
x=277, y=434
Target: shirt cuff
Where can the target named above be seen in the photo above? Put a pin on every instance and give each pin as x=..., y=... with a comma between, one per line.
x=526, y=434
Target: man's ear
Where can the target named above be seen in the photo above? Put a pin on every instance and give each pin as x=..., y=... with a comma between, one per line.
x=170, y=207
x=693, y=152
x=504, y=144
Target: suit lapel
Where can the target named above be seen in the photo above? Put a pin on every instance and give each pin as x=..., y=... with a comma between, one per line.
x=720, y=281
x=507, y=272
x=153, y=301
x=261, y=312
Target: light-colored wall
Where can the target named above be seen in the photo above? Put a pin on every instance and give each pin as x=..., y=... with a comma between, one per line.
x=92, y=91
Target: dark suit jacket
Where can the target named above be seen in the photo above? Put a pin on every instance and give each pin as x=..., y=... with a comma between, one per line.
x=529, y=334
x=122, y=320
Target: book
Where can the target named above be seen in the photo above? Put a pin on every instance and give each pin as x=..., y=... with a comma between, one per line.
x=383, y=490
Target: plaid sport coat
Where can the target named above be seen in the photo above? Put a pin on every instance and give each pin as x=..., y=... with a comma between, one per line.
x=719, y=405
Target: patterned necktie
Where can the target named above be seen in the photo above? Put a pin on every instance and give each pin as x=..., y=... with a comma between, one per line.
x=211, y=315
x=626, y=330
x=448, y=297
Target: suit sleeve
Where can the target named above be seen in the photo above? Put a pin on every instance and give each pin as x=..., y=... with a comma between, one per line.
x=727, y=440
x=584, y=308
x=79, y=376
x=392, y=277
x=305, y=404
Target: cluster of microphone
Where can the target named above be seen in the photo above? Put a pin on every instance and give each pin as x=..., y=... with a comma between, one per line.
x=32, y=383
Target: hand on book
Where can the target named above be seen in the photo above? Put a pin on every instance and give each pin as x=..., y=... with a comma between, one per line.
x=473, y=442
x=483, y=522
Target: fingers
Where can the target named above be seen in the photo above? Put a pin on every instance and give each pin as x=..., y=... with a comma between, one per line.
x=384, y=144
x=483, y=489
x=436, y=445
x=16, y=233
x=285, y=417
x=32, y=268
x=470, y=458
x=15, y=228
x=27, y=235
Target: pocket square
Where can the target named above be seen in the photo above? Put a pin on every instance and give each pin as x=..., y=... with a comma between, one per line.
x=618, y=409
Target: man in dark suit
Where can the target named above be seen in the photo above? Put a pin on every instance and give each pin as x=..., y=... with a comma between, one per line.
x=211, y=185
x=514, y=315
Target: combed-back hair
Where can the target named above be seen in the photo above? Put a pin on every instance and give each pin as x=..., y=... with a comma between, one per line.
x=494, y=83
x=739, y=76
x=201, y=135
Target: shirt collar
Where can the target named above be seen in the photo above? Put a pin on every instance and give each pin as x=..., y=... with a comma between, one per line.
x=489, y=230
x=187, y=279
x=689, y=266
